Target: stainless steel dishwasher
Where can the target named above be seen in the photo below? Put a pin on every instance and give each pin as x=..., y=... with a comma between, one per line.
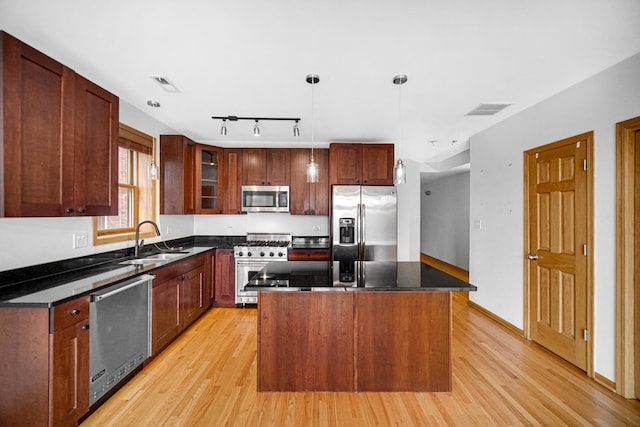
x=119, y=334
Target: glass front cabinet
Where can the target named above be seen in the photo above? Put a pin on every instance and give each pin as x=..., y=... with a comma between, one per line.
x=208, y=197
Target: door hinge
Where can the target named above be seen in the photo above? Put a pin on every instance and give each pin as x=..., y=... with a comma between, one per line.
x=584, y=164
x=585, y=334
x=578, y=144
x=585, y=250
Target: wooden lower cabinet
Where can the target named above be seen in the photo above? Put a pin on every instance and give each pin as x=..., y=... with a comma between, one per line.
x=309, y=255
x=354, y=341
x=178, y=299
x=44, y=364
x=225, y=282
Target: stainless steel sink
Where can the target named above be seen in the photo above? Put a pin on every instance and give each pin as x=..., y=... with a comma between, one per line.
x=151, y=259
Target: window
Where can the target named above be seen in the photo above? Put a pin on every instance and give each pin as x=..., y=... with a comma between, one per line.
x=136, y=190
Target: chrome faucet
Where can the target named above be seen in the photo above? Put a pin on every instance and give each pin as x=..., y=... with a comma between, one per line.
x=139, y=245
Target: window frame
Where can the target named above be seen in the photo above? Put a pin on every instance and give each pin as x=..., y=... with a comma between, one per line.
x=133, y=140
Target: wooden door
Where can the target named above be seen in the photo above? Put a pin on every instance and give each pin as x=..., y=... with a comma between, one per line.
x=278, y=170
x=37, y=125
x=192, y=293
x=319, y=191
x=96, y=150
x=232, y=181
x=636, y=264
x=254, y=166
x=345, y=163
x=299, y=189
x=70, y=374
x=377, y=164
x=165, y=313
x=557, y=180
x=225, y=286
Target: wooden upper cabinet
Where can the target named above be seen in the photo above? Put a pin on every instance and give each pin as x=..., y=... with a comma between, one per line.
x=377, y=164
x=177, y=176
x=309, y=198
x=53, y=120
x=96, y=150
x=232, y=181
x=361, y=164
x=346, y=163
x=208, y=162
x=265, y=166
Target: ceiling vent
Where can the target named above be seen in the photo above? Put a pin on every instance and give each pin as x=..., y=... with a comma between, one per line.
x=165, y=84
x=488, y=108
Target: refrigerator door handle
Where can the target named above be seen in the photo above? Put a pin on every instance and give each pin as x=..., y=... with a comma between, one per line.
x=363, y=229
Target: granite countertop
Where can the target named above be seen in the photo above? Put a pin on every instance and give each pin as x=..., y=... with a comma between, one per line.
x=310, y=242
x=354, y=276
x=49, y=284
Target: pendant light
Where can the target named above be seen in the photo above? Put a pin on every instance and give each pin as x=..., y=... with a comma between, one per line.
x=153, y=166
x=312, y=166
x=399, y=170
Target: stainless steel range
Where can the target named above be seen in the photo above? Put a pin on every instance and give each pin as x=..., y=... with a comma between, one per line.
x=252, y=255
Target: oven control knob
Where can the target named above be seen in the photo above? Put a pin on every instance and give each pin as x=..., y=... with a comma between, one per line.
x=248, y=253
x=280, y=254
x=261, y=253
x=240, y=253
x=271, y=254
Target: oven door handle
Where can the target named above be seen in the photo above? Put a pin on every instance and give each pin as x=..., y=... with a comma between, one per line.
x=100, y=296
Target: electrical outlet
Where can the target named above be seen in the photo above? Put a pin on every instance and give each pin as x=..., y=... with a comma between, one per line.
x=477, y=224
x=316, y=228
x=168, y=230
x=80, y=240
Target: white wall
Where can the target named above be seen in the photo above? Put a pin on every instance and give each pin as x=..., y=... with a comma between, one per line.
x=408, y=239
x=496, y=249
x=444, y=219
x=239, y=225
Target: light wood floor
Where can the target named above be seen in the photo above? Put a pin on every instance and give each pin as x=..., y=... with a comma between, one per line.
x=208, y=378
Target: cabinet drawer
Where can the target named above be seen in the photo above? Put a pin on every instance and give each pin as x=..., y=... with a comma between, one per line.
x=70, y=312
x=308, y=255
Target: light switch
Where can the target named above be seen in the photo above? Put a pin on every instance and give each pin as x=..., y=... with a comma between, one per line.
x=477, y=224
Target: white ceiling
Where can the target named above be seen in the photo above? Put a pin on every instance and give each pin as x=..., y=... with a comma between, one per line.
x=250, y=58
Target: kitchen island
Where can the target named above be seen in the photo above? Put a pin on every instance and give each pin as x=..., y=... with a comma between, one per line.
x=359, y=326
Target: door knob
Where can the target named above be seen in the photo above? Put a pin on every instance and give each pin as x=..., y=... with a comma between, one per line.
x=532, y=257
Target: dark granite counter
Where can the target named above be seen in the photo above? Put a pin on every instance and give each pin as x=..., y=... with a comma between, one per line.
x=354, y=276
x=52, y=283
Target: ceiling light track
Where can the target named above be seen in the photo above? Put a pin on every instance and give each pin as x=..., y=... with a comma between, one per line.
x=256, y=120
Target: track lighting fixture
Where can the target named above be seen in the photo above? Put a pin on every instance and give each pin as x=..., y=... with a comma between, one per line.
x=399, y=170
x=312, y=166
x=256, y=126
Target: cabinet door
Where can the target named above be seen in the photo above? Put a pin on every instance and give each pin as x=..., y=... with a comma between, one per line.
x=192, y=295
x=207, y=173
x=278, y=169
x=254, y=166
x=232, y=181
x=225, y=293
x=299, y=189
x=165, y=313
x=319, y=191
x=70, y=374
x=377, y=164
x=37, y=107
x=209, y=277
x=177, y=157
x=96, y=150
x=346, y=163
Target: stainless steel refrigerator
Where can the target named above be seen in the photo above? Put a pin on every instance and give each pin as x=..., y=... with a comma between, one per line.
x=363, y=223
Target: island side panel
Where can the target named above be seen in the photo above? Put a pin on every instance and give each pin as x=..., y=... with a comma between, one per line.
x=305, y=341
x=403, y=341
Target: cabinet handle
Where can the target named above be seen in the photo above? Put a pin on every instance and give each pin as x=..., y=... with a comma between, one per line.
x=69, y=210
x=82, y=210
x=85, y=327
x=75, y=312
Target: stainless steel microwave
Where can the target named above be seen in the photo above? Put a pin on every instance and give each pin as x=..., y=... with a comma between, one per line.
x=265, y=198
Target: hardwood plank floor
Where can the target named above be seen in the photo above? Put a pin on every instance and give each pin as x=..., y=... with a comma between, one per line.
x=207, y=377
